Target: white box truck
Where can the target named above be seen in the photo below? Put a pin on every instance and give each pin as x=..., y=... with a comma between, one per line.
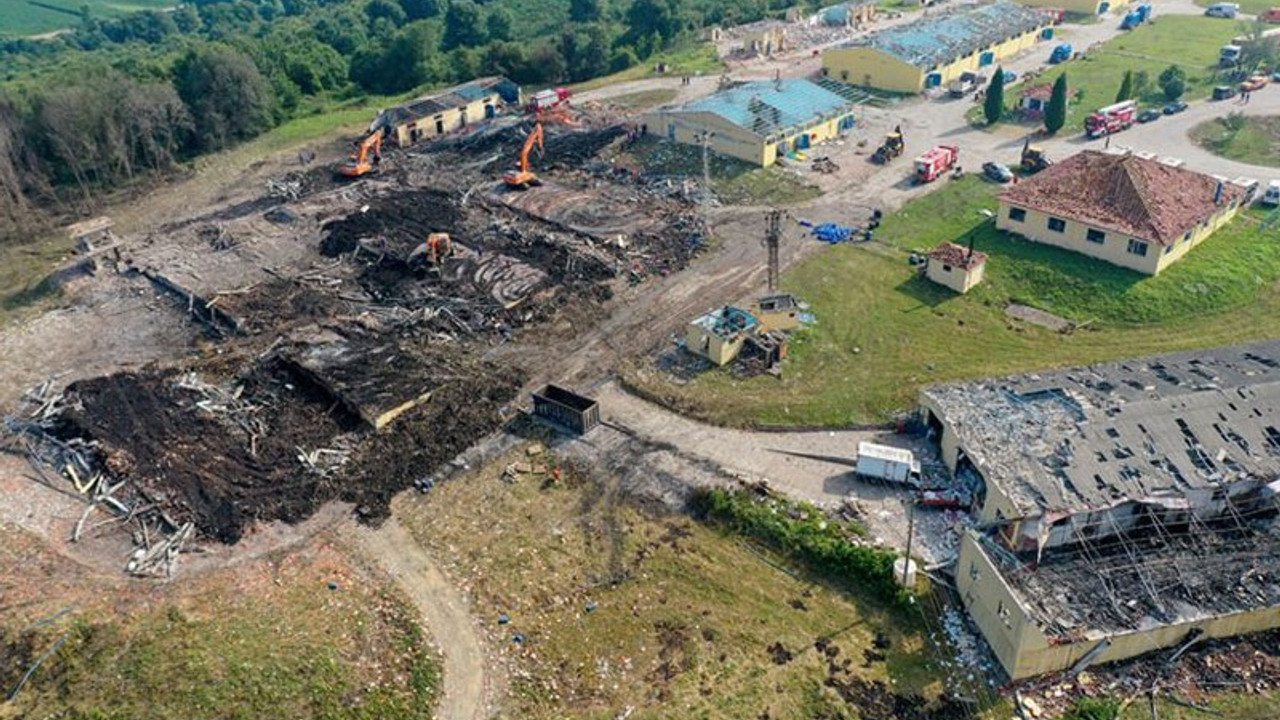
x=882, y=462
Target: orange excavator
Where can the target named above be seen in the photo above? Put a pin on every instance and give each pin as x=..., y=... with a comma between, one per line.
x=522, y=178
x=437, y=247
x=366, y=157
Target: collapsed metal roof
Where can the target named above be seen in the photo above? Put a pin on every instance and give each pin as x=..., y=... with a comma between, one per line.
x=766, y=107
x=1092, y=437
x=940, y=39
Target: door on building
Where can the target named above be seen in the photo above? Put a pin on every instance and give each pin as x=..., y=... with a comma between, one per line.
x=671, y=131
x=1103, y=8
x=986, y=58
x=439, y=126
x=802, y=142
x=1046, y=34
x=933, y=79
x=489, y=111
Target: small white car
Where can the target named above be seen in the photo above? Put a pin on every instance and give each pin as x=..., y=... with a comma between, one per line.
x=1272, y=195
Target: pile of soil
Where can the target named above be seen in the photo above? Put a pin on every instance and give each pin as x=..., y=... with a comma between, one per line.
x=280, y=303
x=203, y=468
x=403, y=219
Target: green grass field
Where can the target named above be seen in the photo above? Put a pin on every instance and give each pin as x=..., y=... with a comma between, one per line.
x=883, y=330
x=1254, y=140
x=1190, y=42
x=621, y=607
x=1250, y=7
x=24, y=17
x=266, y=638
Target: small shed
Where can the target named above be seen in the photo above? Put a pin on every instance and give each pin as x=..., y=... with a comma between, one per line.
x=575, y=412
x=1035, y=98
x=719, y=335
x=956, y=266
x=778, y=312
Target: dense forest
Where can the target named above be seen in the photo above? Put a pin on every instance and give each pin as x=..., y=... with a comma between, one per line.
x=85, y=111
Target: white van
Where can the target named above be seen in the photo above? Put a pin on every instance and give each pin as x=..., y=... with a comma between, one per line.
x=1272, y=195
x=1250, y=186
x=1222, y=10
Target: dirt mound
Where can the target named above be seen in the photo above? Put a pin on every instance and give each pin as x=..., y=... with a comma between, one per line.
x=278, y=303
x=217, y=469
x=574, y=148
x=272, y=444
x=402, y=218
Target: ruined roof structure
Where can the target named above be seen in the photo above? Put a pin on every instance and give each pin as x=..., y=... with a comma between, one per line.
x=1167, y=576
x=726, y=322
x=1137, y=196
x=765, y=107
x=1086, y=438
x=957, y=256
x=932, y=41
x=454, y=97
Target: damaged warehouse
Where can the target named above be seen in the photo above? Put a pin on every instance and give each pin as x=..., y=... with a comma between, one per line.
x=1123, y=508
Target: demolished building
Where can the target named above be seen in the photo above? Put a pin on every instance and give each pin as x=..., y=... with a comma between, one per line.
x=1122, y=508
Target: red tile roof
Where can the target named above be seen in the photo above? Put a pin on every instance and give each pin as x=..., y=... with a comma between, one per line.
x=1044, y=91
x=1136, y=196
x=958, y=256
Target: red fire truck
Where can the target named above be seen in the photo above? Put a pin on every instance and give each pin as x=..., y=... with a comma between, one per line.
x=1111, y=119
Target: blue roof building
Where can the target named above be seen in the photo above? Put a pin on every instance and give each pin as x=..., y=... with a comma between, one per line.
x=757, y=121
x=935, y=50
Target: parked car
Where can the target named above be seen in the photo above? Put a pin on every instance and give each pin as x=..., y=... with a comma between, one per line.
x=1224, y=92
x=1148, y=115
x=1174, y=107
x=1222, y=10
x=1272, y=195
x=1061, y=53
x=1010, y=76
x=1254, y=83
x=997, y=172
x=1272, y=15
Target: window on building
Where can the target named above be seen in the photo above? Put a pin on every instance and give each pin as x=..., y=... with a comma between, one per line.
x=946, y=268
x=1057, y=224
x=1096, y=236
x=1137, y=247
x=1002, y=611
x=1187, y=237
x=973, y=571
x=1017, y=214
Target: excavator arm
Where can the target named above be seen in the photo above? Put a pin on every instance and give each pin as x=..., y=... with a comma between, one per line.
x=522, y=178
x=360, y=162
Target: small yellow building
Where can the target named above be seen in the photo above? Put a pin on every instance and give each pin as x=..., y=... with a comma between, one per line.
x=933, y=51
x=447, y=111
x=1128, y=210
x=757, y=121
x=956, y=267
x=719, y=335
x=777, y=312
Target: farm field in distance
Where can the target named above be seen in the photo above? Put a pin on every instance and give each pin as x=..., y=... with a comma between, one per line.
x=21, y=18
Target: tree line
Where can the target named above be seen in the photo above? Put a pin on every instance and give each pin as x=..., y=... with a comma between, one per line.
x=90, y=109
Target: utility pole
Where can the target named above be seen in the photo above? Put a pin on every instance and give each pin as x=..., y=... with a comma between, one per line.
x=772, y=239
x=911, y=531
x=704, y=137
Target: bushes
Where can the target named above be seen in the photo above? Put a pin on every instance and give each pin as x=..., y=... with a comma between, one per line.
x=805, y=534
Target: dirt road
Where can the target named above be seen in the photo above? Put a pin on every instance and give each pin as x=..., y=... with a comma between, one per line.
x=465, y=695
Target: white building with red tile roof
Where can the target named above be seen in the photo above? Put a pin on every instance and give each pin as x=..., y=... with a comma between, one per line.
x=1128, y=210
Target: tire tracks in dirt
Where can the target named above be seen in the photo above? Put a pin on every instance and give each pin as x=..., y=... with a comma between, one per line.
x=464, y=694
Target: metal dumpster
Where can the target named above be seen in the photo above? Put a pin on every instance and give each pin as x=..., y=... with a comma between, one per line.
x=566, y=408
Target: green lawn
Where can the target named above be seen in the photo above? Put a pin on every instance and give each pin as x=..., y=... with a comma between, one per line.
x=883, y=330
x=696, y=59
x=1190, y=42
x=24, y=17
x=1249, y=7
x=1254, y=140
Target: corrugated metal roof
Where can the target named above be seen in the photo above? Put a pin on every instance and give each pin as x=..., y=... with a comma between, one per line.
x=768, y=106
x=935, y=40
